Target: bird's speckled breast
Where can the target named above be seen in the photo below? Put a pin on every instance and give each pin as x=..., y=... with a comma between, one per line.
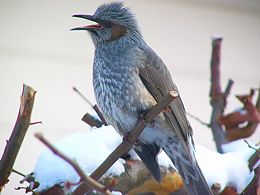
x=119, y=91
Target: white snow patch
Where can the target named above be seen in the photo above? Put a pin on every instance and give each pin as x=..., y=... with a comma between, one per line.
x=216, y=36
x=88, y=149
x=226, y=169
x=238, y=145
x=116, y=193
x=164, y=160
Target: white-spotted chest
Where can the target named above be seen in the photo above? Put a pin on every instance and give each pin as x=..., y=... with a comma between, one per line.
x=119, y=91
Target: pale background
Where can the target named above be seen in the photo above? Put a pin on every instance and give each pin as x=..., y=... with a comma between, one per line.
x=37, y=48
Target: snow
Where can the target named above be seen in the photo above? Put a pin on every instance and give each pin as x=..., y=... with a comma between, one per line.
x=89, y=149
x=230, y=168
x=216, y=36
x=164, y=160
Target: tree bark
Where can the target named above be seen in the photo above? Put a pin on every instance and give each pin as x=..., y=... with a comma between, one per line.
x=15, y=141
x=217, y=97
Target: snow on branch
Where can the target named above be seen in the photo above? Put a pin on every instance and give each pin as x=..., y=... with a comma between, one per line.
x=128, y=141
x=88, y=180
x=15, y=141
x=252, y=116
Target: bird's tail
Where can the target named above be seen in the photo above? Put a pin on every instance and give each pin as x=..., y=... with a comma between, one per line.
x=198, y=186
x=186, y=164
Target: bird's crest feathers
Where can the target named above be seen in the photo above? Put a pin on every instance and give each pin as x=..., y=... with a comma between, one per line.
x=116, y=12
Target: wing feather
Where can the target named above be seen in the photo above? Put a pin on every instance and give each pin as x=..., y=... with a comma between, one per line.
x=156, y=78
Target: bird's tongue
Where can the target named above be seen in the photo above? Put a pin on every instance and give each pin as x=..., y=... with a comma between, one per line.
x=93, y=26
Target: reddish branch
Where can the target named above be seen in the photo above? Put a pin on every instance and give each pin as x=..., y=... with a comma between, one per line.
x=252, y=116
x=218, y=98
x=215, y=68
x=131, y=139
x=88, y=180
x=15, y=141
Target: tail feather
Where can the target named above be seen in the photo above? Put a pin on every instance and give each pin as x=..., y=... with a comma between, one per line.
x=148, y=154
x=188, y=168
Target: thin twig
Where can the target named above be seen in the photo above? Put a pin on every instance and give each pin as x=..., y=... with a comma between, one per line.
x=244, y=132
x=34, y=123
x=131, y=139
x=198, y=119
x=257, y=150
x=15, y=141
x=91, y=182
x=81, y=95
x=95, y=107
x=19, y=173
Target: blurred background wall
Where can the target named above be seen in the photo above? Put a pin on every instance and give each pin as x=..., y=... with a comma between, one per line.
x=37, y=48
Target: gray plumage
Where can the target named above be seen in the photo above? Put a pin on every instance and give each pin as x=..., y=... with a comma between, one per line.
x=129, y=78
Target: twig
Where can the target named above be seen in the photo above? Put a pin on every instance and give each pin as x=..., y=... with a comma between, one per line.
x=198, y=119
x=81, y=95
x=131, y=139
x=100, y=114
x=95, y=107
x=91, y=120
x=89, y=181
x=257, y=150
x=218, y=98
x=253, y=158
x=244, y=132
x=18, y=172
x=215, y=89
x=35, y=123
x=15, y=141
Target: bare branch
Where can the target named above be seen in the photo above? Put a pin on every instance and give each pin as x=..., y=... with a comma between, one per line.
x=15, y=141
x=99, y=113
x=249, y=129
x=198, y=119
x=131, y=139
x=95, y=107
x=18, y=172
x=218, y=99
x=88, y=180
x=91, y=120
x=215, y=89
x=81, y=95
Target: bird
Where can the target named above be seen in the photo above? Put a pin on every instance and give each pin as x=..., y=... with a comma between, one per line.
x=129, y=78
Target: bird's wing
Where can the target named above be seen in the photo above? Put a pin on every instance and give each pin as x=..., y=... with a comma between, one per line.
x=157, y=79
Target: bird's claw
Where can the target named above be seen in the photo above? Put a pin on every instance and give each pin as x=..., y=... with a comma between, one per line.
x=126, y=140
x=141, y=117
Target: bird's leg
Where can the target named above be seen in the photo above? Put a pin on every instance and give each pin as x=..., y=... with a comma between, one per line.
x=167, y=109
x=126, y=140
x=141, y=117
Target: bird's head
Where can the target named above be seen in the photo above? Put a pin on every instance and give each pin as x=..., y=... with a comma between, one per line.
x=113, y=21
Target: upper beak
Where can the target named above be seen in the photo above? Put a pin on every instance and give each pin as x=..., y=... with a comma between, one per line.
x=88, y=17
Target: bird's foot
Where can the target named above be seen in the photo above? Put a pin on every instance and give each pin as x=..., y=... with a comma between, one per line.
x=141, y=117
x=128, y=142
x=167, y=109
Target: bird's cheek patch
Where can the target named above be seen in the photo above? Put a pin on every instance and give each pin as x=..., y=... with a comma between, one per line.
x=117, y=32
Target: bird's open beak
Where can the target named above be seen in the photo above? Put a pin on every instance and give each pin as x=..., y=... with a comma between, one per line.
x=88, y=27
